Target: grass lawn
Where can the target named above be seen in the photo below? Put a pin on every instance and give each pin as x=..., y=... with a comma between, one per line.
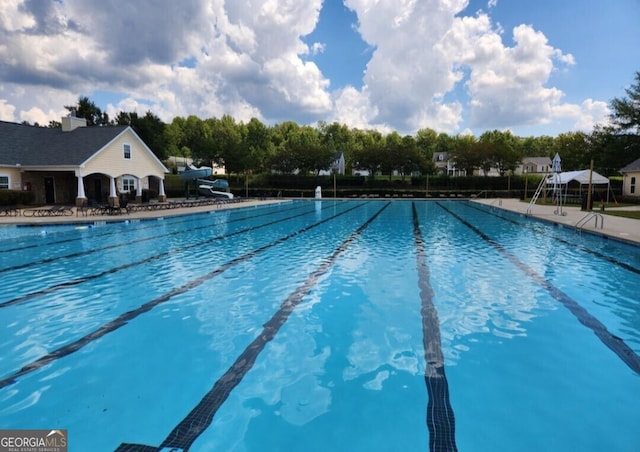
x=635, y=214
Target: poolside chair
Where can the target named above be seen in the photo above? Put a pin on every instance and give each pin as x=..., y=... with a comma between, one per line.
x=96, y=209
x=59, y=211
x=124, y=206
x=9, y=211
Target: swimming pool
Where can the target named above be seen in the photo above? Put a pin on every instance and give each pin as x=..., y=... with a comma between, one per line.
x=323, y=325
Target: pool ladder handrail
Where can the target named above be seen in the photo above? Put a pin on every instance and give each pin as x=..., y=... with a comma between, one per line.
x=584, y=220
x=541, y=187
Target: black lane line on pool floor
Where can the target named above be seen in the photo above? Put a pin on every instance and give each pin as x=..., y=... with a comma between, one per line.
x=126, y=317
x=119, y=245
x=199, y=419
x=83, y=279
x=613, y=342
x=440, y=417
x=604, y=257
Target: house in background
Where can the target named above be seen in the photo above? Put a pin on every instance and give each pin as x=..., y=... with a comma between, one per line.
x=74, y=163
x=631, y=179
x=337, y=165
x=445, y=166
x=534, y=165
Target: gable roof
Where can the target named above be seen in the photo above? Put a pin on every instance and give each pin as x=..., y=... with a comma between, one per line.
x=633, y=166
x=537, y=160
x=38, y=146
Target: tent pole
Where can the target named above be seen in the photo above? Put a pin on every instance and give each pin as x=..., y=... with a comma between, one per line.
x=590, y=180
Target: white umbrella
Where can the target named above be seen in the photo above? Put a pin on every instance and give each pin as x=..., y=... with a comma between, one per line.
x=555, y=167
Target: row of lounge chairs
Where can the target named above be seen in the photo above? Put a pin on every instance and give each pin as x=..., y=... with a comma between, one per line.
x=94, y=208
x=126, y=207
x=54, y=211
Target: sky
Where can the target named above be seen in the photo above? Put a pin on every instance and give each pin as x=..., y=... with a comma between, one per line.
x=456, y=66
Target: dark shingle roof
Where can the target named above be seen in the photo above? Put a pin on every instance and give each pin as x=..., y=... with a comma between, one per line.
x=29, y=145
x=633, y=166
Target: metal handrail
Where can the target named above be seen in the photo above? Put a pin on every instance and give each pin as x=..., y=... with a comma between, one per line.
x=584, y=220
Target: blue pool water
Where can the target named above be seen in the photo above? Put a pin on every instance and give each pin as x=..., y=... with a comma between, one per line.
x=322, y=325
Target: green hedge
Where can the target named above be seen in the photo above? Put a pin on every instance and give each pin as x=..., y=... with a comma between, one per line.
x=16, y=198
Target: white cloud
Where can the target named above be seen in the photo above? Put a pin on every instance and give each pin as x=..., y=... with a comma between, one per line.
x=408, y=75
x=7, y=111
x=431, y=66
x=506, y=85
x=582, y=117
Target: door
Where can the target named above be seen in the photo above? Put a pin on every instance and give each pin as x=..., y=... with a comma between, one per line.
x=97, y=189
x=49, y=191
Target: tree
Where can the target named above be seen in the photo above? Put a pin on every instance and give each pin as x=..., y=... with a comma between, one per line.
x=465, y=153
x=225, y=144
x=337, y=138
x=625, y=115
x=500, y=151
x=284, y=158
x=573, y=149
x=368, y=145
x=198, y=138
x=88, y=110
x=257, y=145
x=427, y=143
x=621, y=142
x=537, y=146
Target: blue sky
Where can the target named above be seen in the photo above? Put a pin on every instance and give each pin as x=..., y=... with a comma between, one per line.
x=456, y=66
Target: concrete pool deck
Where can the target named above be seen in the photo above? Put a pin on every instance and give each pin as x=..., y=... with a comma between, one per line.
x=619, y=228
x=624, y=229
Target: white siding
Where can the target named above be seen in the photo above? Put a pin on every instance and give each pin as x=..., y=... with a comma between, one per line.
x=110, y=160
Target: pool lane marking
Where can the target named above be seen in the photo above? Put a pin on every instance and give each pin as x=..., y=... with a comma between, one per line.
x=122, y=244
x=198, y=420
x=77, y=281
x=150, y=221
x=124, y=318
x=602, y=256
x=440, y=417
x=613, y=342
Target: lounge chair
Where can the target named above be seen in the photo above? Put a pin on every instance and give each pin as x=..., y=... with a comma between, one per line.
x=124, y=206
x=9, y=211
x=97, y=209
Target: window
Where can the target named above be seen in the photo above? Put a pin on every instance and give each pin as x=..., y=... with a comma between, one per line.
x=128, y=184
x=127, y=151
x=632, y=187
x=4, y=182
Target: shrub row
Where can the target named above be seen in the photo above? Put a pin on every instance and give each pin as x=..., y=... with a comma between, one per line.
x=16, y=197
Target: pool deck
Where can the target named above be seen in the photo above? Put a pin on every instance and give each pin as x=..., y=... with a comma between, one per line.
x=624, y=229
x=619, y=228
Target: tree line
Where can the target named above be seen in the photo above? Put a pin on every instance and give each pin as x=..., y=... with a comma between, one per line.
x=287, y=147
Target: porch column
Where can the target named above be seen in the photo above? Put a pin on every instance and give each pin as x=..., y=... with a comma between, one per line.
x=138, y=190
x=81, y=199
x=113, y=196
x=161, y=195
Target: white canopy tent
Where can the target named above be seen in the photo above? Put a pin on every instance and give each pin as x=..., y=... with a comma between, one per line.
x=580, y=176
